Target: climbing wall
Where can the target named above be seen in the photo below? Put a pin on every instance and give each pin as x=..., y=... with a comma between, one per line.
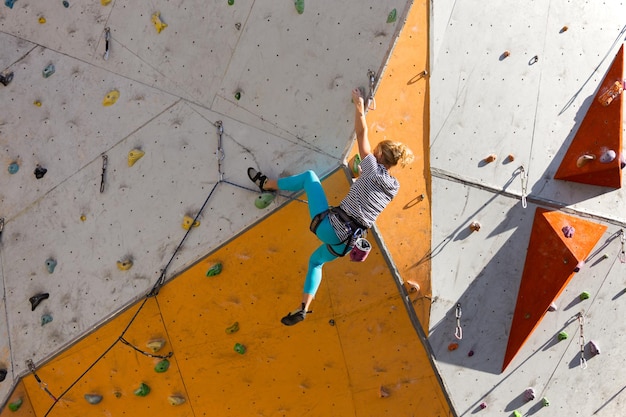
x=219, y=330
x=141, y=152
x=510, y=86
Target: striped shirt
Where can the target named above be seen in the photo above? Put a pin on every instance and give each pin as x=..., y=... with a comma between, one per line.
x=368, y=195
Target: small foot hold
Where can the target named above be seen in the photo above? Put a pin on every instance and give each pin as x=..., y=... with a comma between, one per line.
x=156, y=21
x=45, y=319
x=93, y=398
x=392, y=16
x=110, y=98
x=162, y=366
x=125, y=264
x=234, y=328
x=6, y=77
x=214, y=270
x=3, y=374
x=134, y=156
x=35, y=300
x=188, y=222
x=40, y=172
x=155, y=345
x=299, y=4
x=239, y=348
x=50, y=265
x=142, y=391
x=176, y=399
x=264, y=200
x=15, y=405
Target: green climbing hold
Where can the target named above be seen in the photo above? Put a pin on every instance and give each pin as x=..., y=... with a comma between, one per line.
x=584, y=295
x=93, y=398
x=214, y=270
x=517, y=414
x=142, y=391
x=563, y=335
x=545, y=402
x=299, y=6
x=233, y=329
x=231, y=2
x=45, y=319
x=15, y=405
x=238, y=95
x=391, y=17
x=239, y=348
x=162, y=366
x=264, y=200
x=13, y=168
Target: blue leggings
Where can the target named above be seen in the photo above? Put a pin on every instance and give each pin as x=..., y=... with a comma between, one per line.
x=310, y=183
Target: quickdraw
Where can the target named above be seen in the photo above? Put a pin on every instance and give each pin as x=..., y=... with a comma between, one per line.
x=371, y=101
x=581, y=341
x=220, y=151
x=42, y=385
x=458, y=333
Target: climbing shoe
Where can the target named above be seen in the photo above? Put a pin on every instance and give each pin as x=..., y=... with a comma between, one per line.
x=257, y=178
x=295, y=316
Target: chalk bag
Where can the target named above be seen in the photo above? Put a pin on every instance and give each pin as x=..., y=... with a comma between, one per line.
x=360, y=250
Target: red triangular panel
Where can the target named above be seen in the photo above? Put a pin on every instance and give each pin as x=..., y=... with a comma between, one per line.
x=550, y=263
x=600, y=131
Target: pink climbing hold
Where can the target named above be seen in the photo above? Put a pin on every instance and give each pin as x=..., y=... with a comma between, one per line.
x=568, y=231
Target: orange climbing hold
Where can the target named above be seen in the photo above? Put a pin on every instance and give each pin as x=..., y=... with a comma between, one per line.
x=592, y=155
x=550, y=264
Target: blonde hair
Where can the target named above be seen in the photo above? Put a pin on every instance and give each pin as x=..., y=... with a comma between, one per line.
x=391, y=153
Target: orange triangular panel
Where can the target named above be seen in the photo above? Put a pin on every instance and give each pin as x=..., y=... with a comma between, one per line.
x=550, y=263
x=599, y=133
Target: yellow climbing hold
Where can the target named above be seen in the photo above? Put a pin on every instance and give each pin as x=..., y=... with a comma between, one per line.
x=37, y=103
x=125, y=265
x=155, y=345
x=134, y=156
x=158, y=24
x=105, y=2
x=188, y=222
x=83, y=217
x=42, y=20
x=111, y=98
x=176, y=399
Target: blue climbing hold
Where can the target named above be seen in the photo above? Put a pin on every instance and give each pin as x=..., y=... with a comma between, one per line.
x=45, y=319
x=66, y=4
x=13, y=168
x=50, y=265
x=9, y=3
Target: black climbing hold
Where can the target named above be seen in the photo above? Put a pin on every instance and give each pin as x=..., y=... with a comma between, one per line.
x=6, y=77
x=331, y=322
x=36, y=299
x=40, y=172
x=3, y=374
x=66, y=4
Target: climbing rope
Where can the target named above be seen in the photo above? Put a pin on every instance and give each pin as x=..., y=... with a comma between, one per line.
x=458, y=333
x=581, y=340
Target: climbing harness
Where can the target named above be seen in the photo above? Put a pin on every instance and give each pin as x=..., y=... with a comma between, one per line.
x=105, y=160
x=371, y=101
x=42, y=385
x=356, y=230
x=581, y=341
x=622, y=253
x=220, y=151
x=107, y=39
x=524, y=178
x=458, y=333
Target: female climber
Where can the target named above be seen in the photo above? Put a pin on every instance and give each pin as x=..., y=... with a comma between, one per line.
x=337, y=227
